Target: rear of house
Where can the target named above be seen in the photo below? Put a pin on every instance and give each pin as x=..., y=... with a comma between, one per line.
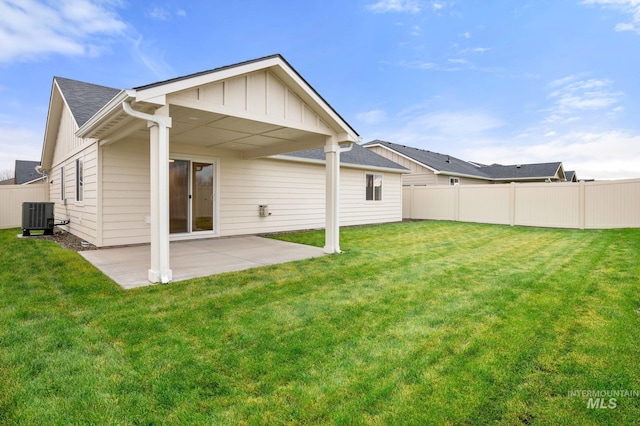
x=231, y=137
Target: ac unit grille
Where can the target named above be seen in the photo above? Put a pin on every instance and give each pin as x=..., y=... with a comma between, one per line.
x=37, y=216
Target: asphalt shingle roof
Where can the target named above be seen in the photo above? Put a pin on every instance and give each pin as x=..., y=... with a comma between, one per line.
x=84, y=99
x=453, y=165
x=26, y=171
x=522, y=171
x=358, y=156
x=434, y=160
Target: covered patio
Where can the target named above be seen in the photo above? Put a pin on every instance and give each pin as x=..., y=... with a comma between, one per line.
x=256, y=109
x=198, y=258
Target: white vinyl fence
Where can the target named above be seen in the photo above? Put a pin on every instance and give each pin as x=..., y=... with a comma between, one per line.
x=581, y=205
x=11, y=199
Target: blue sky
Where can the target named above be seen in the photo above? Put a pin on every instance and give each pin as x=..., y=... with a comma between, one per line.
x=493, y=81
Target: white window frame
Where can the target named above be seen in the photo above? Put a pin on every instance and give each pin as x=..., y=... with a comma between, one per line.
x=373, y=194
x=80, y=180
x=62, y=189
x=454, y=181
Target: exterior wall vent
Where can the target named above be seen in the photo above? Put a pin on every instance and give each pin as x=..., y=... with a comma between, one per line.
x=37, y=216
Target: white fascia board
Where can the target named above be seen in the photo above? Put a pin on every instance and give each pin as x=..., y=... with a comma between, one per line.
x=322, y=163
x=56, y=101
x=33, y=181
x=114, y=105
x=413, y=160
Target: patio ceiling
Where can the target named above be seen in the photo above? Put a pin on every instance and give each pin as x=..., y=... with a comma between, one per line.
x=210, y=129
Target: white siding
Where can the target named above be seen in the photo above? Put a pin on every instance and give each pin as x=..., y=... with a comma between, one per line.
x=294, y=192
x=125, y=193
x=82, y=215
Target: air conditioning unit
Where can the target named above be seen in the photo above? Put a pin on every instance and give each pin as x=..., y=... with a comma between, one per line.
x=37, y=217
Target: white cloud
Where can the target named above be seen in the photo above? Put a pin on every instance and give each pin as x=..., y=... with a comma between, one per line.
x=163, y=14
x=419, y=127
x=629, y=7
x=30, y=29
x=597, y=155
x=382, y=6
x=571, y=95
x=371, y=117
x=18, y=143
x=160, y=14
x=153, y=59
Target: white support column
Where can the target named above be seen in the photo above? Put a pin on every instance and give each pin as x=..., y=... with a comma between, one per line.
x=160, y=270
x=332, y=151
x=159, y=124
x=332, y=167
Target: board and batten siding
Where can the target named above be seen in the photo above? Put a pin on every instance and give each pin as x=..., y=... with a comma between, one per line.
x=259, y=95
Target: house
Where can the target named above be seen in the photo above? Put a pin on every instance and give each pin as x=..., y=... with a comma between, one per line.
x=25, y=173
x=432, y=168
x=209, y=155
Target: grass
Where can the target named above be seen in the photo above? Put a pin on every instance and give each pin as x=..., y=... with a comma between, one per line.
x=416, y=323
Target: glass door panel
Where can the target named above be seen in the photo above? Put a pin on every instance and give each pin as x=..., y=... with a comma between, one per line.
x=178, y=196
x=202, y=203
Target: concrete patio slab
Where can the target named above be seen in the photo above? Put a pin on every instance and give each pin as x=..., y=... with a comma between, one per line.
x=128, y=266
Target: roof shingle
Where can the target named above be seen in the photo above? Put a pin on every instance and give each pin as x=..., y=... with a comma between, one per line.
x=84, y=99
x=452, y=165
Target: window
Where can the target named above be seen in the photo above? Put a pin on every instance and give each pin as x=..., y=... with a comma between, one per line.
x=373, y=187
x=454, y=181
x=79, y=180
x=62, y=194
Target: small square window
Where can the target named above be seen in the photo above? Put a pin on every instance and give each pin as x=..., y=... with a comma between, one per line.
x=454, y=181
x=373, y=187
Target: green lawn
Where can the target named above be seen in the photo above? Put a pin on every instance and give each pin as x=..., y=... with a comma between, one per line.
x=416, y=323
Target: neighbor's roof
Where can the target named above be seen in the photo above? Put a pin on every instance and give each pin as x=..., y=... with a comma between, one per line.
x=358, y=156
x=447, y=164
x=434, y=160
x=522, y=171
x=26, y=171
x=570, y=175
x=84, y=99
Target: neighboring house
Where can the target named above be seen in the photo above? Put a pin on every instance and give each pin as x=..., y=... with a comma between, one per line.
x=432, y=168
x=570, y=176
x=25, y=173
x=205, y=155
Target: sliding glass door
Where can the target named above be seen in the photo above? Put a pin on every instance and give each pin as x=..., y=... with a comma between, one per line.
x=191, y=196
